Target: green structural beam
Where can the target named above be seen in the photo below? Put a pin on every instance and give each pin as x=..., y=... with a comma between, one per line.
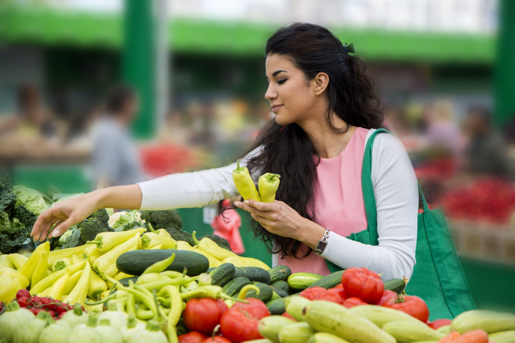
x=138, y=61
x=41, y=25
x=505, y=64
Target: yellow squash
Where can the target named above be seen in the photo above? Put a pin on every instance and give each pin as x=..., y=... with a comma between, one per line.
x=240, y=261
x=106, y=241
x=29, y=267
x=80, y=291
x=17, y=260
x=55, y=255
x=41, y=269
x=52, y=278
x=211, y=248
x=72, y=281
x=106, y=264
x=56, y=291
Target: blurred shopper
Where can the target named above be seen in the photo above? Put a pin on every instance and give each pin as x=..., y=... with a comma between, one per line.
x=442, y=131
x=32, y=117
x=115, y=158
x=486, y=151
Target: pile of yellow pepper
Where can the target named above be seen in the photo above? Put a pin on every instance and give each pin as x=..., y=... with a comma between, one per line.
x=86, y=272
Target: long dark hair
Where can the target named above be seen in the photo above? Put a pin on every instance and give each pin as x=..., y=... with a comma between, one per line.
x=287, y=150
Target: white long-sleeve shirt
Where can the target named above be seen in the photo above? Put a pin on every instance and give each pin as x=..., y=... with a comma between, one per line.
x=395, y=190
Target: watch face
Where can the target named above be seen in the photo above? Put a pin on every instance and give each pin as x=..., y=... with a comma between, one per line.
x=321, y=247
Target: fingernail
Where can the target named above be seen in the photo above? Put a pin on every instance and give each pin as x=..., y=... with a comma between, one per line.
x=237, y=203
x=55, y=233
x=246, y=201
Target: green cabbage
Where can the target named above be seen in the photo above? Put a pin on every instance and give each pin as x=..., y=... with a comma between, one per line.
x=31, y=199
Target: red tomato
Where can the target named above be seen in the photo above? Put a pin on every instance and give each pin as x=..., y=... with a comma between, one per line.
x=351, y=302
x=410, y=304
x=255, y=308
x=312, y=293
x=339, y=286
x=285, y=314
x=1, y=306
x=23, y=301
x=192, y=337
x=333, y=295
x=439, y=323
x=216, y=339
x=22, y=293
x=239, y=326
x=203, y=315
x=364, y=284
x=387, y=295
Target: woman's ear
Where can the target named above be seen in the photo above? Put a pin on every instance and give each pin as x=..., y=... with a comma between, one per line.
x=320, y=83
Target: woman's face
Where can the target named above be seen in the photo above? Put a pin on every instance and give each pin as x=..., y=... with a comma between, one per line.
x=289, y=93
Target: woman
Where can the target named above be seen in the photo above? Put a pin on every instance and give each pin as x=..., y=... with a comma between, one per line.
x=325, y=110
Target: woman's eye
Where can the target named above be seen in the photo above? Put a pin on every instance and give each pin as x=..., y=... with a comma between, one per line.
x=280, y=82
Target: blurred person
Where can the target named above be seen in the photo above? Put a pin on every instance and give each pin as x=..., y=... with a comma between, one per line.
x=326, y=114
x=31, y=117
x=442, y=131
x=486, y=151
x=115, y=158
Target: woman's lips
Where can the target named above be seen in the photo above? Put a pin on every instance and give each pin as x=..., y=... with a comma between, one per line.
x=275, y=109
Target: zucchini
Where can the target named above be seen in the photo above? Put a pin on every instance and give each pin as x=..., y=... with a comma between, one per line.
x=381, y=316
x=253, y=274
x=396, y=285
x=324, y=337
x=296, y=333
x=137, y=261
x=282, y=285
x=279, y=273
x=222, y=274
x=270, y=326
x=265, y=292
x=276, y=306
x=329, y=281
x=503, y=337
x=281, y=293
x=488, y=321
x=337, y=320
x=210, y=269
x=295, y=306
x=406, y=332
x=233, y=287
x=301, y=281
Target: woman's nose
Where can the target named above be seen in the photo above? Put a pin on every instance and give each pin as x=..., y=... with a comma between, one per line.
x=270, y=93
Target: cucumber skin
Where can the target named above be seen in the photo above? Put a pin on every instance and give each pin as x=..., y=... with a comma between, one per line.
x=279, y=273
x=265, y=292
x=488, y=321
x=276, y=306
x=301, y=281
x=410, y=332
x=233, y=287
x=222, y=274
x=136, y=261
x=283, y=285
x=395, y=285
x=281, y=293
x=329, y=281
x=270, y=326
x=253, y=274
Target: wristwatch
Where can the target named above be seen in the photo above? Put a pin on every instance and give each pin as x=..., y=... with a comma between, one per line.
x=322, y=243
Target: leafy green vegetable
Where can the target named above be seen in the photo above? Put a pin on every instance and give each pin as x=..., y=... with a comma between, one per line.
x=164, y=219
x=121, y=221
x=7, y=196
x=31, y=199
x=70, y=239
x=96, y=223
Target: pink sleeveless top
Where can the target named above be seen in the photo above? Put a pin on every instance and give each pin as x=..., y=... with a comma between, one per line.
x=338, y=198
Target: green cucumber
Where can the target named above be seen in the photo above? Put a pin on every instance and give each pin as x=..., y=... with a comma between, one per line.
x=281, y=293
x=233, y=287
x=329, y=281
x=253, y=274
x=211, y=269
x=222, y=274
x=301, y=281
x=396, y=285
x=282, y=285
x=276, y=306
x=279, y=273
x=137, y=261
x=265, y=292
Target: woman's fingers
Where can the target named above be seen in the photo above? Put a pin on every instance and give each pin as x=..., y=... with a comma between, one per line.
x=46, y=228
x=61, y=227
x=252, y=210
x=44, y=218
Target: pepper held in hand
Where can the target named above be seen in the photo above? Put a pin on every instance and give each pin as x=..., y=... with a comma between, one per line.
x=364, y=284
x=244, y=183
x=268, y=184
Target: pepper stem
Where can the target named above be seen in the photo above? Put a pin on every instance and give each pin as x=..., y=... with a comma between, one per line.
x=98, y=243
x=110, y=297
x=77, y=309
x=271, y=177
x=194, y=236
x=151, y=228
x=245, y=289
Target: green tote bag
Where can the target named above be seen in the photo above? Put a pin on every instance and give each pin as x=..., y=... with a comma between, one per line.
x=438, y=277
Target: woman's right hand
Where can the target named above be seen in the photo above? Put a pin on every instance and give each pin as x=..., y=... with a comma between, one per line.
x=64, y=214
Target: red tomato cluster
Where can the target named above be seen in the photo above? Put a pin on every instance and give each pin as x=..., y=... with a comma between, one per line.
x=37, y=304
x=488, y=200
x=237, y=324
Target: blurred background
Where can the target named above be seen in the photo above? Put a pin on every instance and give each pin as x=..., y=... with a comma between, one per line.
x=444, y=69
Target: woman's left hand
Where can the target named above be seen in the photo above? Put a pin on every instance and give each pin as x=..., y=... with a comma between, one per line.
x=276, y=217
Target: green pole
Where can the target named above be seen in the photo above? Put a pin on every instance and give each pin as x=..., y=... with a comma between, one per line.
x=505, y=64
x=139, y=61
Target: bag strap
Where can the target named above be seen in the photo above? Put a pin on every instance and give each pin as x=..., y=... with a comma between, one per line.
x=368, y=189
